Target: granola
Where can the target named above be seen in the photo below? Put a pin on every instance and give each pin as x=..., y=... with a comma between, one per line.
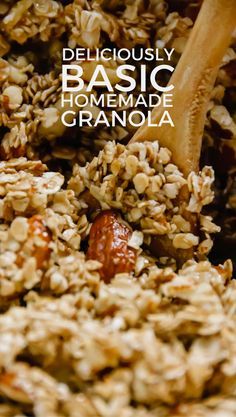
x=151, y=339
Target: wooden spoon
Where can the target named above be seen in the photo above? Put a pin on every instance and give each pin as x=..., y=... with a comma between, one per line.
x=193, y=79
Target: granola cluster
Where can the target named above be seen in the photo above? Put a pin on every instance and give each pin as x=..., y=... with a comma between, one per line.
x=152, y=346
x=140, y=181
x=153, y=340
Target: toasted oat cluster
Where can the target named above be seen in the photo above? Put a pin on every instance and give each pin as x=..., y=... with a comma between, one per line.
x=159, y=344
x=140, y=181
x=92, y=322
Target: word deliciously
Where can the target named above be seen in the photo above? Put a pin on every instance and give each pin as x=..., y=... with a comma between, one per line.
x=123, y=54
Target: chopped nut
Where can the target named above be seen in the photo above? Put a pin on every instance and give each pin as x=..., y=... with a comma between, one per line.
x=185, y=240
x=171, y=190
x=131, y=164
x=19, y=229
x=14, y=94
x=41, y=250
x=108, y=244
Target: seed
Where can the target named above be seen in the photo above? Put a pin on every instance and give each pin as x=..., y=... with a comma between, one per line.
x=141, y=182
x=14, y=94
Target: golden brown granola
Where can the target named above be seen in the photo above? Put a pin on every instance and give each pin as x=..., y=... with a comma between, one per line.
x=155, y=342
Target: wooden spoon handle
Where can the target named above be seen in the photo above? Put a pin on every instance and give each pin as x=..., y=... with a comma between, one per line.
x=194, y=79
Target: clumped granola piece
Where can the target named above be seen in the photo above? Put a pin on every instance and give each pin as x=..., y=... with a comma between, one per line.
x=34, y=237
x=109, y=244
x=86, y=26
x=153, y=341
x=27, y=19
x=140, y=180
x=26, y=187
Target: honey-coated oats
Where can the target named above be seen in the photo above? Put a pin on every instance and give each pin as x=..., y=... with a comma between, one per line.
x=153, y=339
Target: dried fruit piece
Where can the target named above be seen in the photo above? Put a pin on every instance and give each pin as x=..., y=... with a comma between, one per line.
x=12, y=152
x=37, y=228
x=108, y=244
